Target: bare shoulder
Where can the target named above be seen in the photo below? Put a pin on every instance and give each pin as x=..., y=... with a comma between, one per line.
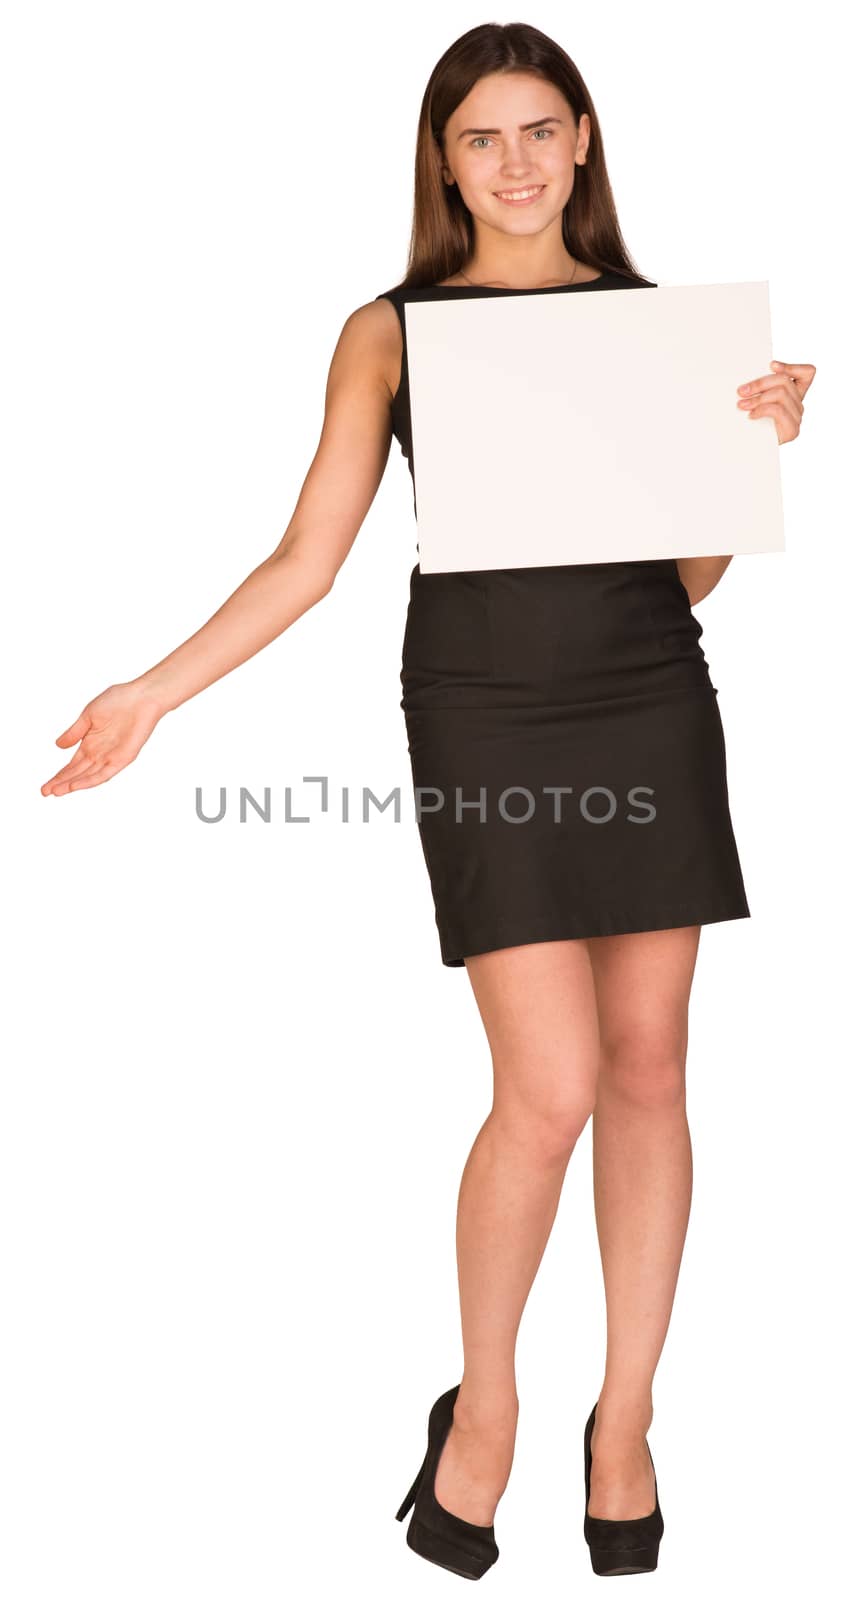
x=371, y=344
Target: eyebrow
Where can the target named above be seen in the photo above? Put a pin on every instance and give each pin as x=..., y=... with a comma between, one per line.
x=523, y=128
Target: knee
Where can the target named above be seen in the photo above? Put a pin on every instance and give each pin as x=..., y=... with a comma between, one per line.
x=548, y=1123
x=646, y=1068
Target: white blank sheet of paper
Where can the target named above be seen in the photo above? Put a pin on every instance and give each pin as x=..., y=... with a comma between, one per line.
x=600, y=425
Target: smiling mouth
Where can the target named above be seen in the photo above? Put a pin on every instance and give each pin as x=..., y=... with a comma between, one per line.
x=519, y=197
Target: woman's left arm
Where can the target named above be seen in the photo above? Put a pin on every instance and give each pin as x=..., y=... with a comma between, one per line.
x=779, y=397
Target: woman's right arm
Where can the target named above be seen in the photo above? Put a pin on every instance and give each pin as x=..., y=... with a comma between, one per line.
x=337, y=492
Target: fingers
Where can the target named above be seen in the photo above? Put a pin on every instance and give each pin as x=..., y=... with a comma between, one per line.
x=82, y=759
x=760, y=385
x=88, y=772
x=86, y=756
x=793, y=378
x=74, y=769
x=90, y=779
x=784, y=403
x=803, y=373
x=778, y=408
x=76, y=731
x=781, y=392
x=784, y=397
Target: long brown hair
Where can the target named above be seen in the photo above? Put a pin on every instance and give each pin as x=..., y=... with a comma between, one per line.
x=442, y=235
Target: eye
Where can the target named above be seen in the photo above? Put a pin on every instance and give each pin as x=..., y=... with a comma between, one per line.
x=546, y=132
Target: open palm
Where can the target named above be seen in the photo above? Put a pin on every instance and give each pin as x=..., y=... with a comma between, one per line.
x=112, y=728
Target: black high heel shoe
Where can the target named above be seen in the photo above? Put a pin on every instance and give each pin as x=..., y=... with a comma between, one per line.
x=467, y=1548
x=631, y=1545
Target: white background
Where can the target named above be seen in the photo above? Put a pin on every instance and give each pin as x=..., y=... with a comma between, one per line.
x=239, y=1086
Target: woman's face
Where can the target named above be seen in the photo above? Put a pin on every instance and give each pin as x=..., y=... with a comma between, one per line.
x=513, y=132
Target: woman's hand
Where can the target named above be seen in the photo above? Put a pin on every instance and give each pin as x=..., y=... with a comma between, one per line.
x=779, y=397
x=112, y=728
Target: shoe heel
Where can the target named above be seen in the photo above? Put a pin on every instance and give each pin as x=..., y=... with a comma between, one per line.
x=410, y=1496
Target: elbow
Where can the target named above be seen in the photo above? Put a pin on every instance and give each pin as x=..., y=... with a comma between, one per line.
x=314, y=581
x=699, y=591
x=700, y=574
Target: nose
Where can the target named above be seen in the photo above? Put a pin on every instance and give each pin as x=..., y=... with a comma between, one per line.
x=515, y=163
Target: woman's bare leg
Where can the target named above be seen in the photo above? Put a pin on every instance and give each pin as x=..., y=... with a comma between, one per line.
x=537, y=1004
x=642, y=1191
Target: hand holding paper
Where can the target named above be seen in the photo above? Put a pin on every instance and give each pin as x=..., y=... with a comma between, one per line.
x=780, y=397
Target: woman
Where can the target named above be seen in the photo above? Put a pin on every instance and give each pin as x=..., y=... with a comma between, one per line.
x=579, y=940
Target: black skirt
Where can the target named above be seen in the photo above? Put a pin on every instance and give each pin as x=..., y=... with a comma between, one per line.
x=567, y=753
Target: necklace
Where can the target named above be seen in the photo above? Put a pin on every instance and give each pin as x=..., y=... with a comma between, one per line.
x=507, y=286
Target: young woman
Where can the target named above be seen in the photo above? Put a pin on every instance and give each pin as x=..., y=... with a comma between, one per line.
x=578, y=926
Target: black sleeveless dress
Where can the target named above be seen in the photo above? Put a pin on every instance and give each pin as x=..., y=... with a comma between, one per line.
x=565, y=740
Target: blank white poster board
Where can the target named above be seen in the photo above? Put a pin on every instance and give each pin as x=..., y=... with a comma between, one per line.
x=596, y=426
